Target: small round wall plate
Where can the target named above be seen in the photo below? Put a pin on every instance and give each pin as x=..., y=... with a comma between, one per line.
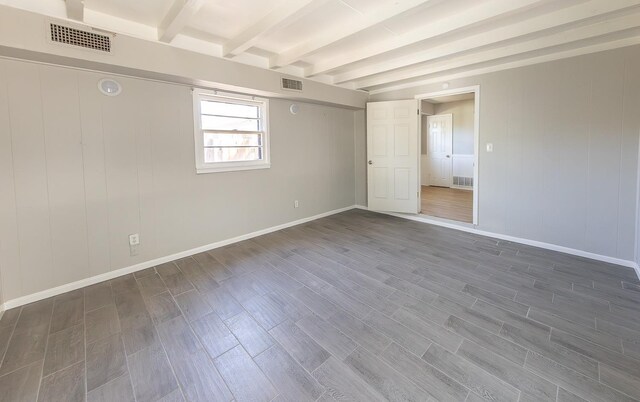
x=109, y=87
x=294, y=109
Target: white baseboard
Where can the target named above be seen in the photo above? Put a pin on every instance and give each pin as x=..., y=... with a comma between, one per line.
x=20, y=301
x=534, y=243
x=151, y=263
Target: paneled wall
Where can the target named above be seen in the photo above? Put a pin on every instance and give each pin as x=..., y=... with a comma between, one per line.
x=565, y=161
x=80, y=171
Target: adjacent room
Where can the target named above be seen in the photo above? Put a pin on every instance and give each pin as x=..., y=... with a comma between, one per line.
x=447, y=156
x=320, y=200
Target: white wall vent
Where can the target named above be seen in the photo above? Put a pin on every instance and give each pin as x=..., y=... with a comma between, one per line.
x=463, y=181
x=76, y=37
x=292, y=85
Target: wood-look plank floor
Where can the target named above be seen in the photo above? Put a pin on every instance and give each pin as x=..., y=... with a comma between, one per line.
x=357, y=306
x=448, y=203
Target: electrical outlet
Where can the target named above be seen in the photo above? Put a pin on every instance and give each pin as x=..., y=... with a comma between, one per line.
x=134, y=239
x=133, y=250
x=134, y=243
x=296, y=204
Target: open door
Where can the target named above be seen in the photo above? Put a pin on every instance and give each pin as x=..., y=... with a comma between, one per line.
x=439, y=149
x=393, y=148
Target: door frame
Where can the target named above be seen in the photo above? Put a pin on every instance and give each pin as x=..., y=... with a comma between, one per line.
x=475, y=89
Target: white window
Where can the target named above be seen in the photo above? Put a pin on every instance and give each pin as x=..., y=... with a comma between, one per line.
x=231, y=132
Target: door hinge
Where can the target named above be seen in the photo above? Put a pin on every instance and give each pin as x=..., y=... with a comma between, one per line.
x=418, y=112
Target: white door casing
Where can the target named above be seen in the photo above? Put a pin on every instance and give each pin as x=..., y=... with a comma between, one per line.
x=392, y=156
x=440, y=149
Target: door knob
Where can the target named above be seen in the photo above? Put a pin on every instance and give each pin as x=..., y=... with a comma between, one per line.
x=370, y=162
x=448, y=156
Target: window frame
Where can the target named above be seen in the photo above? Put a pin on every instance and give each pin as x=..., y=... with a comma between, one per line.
x=214, y=167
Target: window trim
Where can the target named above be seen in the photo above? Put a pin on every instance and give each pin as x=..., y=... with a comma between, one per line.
x=262, y=103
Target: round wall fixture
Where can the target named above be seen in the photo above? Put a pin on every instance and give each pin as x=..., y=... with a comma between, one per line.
x=294, y=109
x=109, y=87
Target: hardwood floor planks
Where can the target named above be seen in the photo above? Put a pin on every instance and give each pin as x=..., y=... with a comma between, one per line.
x=246, y=381
x=292, y=381
x=357, y=306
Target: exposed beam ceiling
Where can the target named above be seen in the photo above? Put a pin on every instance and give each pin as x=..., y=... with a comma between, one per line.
x=177, y=18
x=316, y=43
x=501, y=42
x=374, y=45
x=505, y=65
x=280, y=16
x=476, y=13
x=75, y=9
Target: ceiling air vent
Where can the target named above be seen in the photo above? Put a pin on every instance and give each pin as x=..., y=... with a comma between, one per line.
x=77, y=37
x=293, y=85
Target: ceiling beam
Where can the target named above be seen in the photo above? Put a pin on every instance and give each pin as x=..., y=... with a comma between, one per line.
x=75, y=9
x=478, y=12
x=607, y=31
x=286, y=13
x=595, y=10
x=177, y=18
x=631, y=41
x=365, y=21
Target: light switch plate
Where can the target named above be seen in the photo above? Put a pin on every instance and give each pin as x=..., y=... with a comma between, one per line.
x=489, y=147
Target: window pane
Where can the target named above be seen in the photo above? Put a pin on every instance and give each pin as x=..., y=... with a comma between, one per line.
x=228, y=109
x=232, y=154
x=229, y=124
x=232, y=139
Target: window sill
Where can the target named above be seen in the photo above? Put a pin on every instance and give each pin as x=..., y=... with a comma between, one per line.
x=220, y=169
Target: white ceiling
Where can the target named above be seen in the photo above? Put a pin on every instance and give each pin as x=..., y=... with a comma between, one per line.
x=374, y=45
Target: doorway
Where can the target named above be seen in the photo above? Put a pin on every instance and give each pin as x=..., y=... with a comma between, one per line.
x=448, y=154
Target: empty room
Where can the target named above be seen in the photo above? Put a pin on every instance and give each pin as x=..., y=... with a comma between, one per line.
x=320, y=200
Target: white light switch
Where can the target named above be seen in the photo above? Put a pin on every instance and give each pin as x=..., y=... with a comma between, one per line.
x=489, y=147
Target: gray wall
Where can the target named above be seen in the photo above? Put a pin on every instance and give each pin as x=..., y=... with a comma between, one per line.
x=426, y=107
x=360, y=157
x=565, y=135
x=462, y=112
x=80, y=171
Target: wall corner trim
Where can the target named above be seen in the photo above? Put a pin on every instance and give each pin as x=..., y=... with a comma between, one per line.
x=20, y=301
x=528, y=242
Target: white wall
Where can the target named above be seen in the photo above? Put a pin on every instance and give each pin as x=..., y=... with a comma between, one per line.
x=565, y=162
x=462, y=112
x=80, y=171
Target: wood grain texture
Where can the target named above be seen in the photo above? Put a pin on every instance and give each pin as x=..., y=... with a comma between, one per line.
x=300, y=346
x=64, y=348
x=289, y=377
x=246, y=381
x=355, y=306
x=67, y=384
x=448, y=203
x=151, y=374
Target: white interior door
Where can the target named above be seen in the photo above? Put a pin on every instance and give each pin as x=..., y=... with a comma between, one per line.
x=439, y=149
x=392, y=154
